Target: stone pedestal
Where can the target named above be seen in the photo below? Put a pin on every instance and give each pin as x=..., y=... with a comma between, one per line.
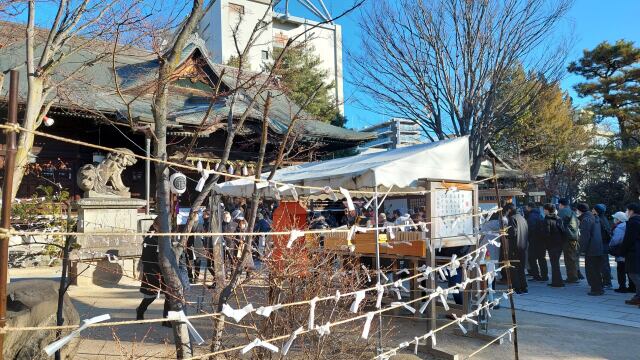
x=106, y=215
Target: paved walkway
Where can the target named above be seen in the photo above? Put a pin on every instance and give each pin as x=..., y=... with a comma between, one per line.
x=572, y=301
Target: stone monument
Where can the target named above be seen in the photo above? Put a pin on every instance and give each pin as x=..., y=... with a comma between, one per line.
x=107, y=206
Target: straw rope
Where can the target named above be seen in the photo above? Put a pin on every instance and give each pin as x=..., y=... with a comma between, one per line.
x=18, y=128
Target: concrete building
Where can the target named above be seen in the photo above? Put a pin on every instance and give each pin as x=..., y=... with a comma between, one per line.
x=393, y=134
x=217, y=29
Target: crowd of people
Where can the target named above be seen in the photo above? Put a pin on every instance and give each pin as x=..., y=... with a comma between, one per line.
x=560, y=230
x=569, y=231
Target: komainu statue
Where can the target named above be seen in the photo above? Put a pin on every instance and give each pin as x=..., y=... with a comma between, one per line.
x=105, y=178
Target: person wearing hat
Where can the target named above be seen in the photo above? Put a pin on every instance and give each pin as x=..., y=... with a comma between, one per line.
x=591, y=246
x=605, y=229
x=619, y=227
x=630, y=249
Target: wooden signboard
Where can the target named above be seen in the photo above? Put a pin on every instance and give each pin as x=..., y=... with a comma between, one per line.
x=450, y=208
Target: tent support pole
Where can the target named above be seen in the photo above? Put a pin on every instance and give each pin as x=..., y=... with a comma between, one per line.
x=375, y=215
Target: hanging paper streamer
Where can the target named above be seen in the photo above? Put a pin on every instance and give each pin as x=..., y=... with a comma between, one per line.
x=204, y=175
x=491, y=271
x=274, y=189
x=259, y=343
x=455, y=264
x=236, y=314
x=267, y=310
x=398, y=284
x=58, y=344
x=356, y=302
x=295, y=235
x=431, y=335
x=366, y=271
x=404, y=305
x=424, y=305
x=337, y=296
x=403, y=271
x=415, y=349
x=391, y=232
x=324, y=329
x=404, y=344
x=495, y=242
x=510, y=331
x=443, y=299
x=367, y=325
x=352, y=231
x=347, y=196
x=329, y=191
x=380, y=290
x=382, y=274
x=292, y=190
x=441, y=273
x=292, y=338
x=312, y=312
x=368, y=203
x=459, y=323
x=181, y=317
x=427, y=272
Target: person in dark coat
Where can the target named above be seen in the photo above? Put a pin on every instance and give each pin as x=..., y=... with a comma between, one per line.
x=152, y=284
x=554, y=239
x=517, y=236
x=605, y=229
x=629, y=249
x=591, y=246
x=536, y=250
x=571, y=242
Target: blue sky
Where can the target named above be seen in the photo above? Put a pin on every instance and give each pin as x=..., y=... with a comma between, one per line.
x=589, y=21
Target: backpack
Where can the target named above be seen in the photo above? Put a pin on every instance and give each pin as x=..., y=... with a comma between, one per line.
x=570, y=229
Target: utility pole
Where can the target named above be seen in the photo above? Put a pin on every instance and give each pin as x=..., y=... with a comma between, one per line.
x=7, y=190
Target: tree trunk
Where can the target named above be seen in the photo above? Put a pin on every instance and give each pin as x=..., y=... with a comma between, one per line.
x=476, y=154
x=218, y=252
x=25, y=140
x=166, y=254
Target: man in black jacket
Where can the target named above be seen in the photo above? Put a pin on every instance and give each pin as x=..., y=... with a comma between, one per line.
x=591, y=245
x=605, y=229
x=554, y=240
x=536, y=251
x=517, y=236
x=629, y=249
x=152, y=282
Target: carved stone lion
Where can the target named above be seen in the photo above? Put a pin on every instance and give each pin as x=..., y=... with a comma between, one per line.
x=106, y=177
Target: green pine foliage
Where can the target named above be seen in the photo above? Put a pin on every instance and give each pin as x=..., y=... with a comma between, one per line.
x=301, y=74
x=612, y=74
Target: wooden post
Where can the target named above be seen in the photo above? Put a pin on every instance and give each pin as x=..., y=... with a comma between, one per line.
x=505, y=252
x=7, y=191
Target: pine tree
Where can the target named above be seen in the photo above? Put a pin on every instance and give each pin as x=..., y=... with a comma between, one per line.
x=301, y=73
x=612, y=74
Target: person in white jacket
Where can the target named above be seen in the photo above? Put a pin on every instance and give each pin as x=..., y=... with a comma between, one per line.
x=619, y=227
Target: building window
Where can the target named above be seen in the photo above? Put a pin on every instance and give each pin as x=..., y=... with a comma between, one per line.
x=236, y=9
x=265, y=55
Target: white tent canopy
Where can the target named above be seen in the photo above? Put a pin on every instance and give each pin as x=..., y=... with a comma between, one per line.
x=399, y=168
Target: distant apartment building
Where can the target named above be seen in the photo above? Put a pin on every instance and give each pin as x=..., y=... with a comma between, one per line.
x=217, y=30
x=393, y=134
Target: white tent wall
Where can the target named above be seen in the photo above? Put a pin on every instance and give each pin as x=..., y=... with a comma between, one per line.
x=399, y=168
